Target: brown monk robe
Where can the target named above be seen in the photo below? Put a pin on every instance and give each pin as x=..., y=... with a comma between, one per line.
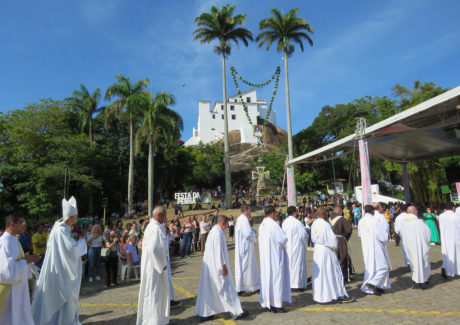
x=342, y=229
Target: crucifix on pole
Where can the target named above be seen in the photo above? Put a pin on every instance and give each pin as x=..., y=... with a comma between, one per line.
x=260, y=175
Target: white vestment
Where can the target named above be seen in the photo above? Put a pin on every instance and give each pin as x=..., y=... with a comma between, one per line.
x=417, y=235
x=327, y=277
x=153, y=306
x=58, y=288
x=386, y=227
x=274, y=265
x=373, y=239
x=449, y=225
x=14, y=287
x=217, y=293
x=398, y=221
x=246, y=273
x=297, y=239
x=168, y=242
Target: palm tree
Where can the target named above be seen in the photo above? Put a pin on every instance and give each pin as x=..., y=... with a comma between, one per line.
x=222, y=25
x=287, y=30
x=87, y=105
x=128, y=106
x=158, y=121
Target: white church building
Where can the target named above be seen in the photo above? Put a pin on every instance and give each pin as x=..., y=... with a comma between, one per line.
x=211, y=121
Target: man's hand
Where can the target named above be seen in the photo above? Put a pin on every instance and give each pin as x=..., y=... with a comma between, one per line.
x=224, y=270
x=32, y=258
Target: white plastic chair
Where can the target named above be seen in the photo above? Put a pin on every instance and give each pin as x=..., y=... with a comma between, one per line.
x=127, y=267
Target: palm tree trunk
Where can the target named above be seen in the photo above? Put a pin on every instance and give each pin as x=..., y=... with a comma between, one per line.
x=90, y=189
x=150, y=178
x=131, y=166
x=292, y=192
x=228, y=173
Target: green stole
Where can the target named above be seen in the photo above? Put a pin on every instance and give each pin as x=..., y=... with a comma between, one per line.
x=5, y=288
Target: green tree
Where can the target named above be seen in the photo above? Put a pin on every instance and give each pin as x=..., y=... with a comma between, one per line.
x=287, y=30
x=223, y=26
x=157, y=122
x=86, y=105
x=128, y=107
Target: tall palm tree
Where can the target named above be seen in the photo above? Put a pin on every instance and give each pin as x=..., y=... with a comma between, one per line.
x=128, y=107
x=287, y=30
x=223, y=26
x=87, y=105
x=158, y=120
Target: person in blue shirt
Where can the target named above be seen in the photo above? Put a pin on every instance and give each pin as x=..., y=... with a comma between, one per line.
x=356, y=214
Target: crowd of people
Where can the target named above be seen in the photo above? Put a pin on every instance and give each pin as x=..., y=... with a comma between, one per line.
x=282, y=241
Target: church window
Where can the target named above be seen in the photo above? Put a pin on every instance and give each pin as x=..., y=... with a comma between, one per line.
x=232, y=108
x=221, y=107
x=222, y=116
x=248, y=99
x=213, y=116
x=233, y=117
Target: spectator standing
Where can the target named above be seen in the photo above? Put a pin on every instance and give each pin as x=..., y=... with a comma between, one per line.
x=196, y=233
x=111, y=264
x=204, y=229
x=39, y=240
x=356, y=214
x=187, y=232
x=231, y=228
x=308, y=222
x=94, y=253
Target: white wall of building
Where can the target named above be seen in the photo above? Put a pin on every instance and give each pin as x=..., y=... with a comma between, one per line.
x=210, y=122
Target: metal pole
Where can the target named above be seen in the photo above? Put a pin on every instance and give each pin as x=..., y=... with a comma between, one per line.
x=333, y=173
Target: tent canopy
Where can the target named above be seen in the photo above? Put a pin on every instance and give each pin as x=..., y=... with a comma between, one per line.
x=428, y=130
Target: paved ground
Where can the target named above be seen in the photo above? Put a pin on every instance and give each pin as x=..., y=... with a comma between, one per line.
x=439, y=304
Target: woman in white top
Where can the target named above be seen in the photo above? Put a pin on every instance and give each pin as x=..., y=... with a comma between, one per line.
x=94, y=253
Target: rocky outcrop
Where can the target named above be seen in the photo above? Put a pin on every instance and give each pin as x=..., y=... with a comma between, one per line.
x=243, y=155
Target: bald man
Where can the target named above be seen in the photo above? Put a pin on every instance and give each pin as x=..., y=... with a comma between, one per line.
x=154, y=291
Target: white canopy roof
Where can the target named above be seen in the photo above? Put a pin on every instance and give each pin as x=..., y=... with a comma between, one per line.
x=428, y=130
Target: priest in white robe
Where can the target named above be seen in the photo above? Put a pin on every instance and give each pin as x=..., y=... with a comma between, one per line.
x=379, y=209
x=274, y=264
x=297, y=238
x=14, y=287
x=417, y=235
x=154, y=290
x=327, y=277
x=56, y=298
x=373, y=239
x=397, y=226
x=246, y=273
x=449, y=225
x=217, y=293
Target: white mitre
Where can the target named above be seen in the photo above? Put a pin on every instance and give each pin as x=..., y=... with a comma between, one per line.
x=69, y=208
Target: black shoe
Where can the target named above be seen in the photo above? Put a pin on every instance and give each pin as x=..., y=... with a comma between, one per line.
x=379, y=290
x=346, y=300
x=374, y=289
x=443, y=273
x=205, y=319
x=298, y=289
x=174, y=303
x=277, y=310
x=244, y=314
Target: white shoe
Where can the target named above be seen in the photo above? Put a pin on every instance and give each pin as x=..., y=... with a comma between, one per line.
x=432, y=244
x=98, y=278
x=90, y=279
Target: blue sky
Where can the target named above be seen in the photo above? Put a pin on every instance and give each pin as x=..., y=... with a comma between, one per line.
x=361, y=48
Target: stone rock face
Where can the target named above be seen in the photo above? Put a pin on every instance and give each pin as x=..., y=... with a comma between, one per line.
x=243, y=155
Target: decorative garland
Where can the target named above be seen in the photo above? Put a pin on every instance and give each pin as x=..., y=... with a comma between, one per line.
x=276, y=76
